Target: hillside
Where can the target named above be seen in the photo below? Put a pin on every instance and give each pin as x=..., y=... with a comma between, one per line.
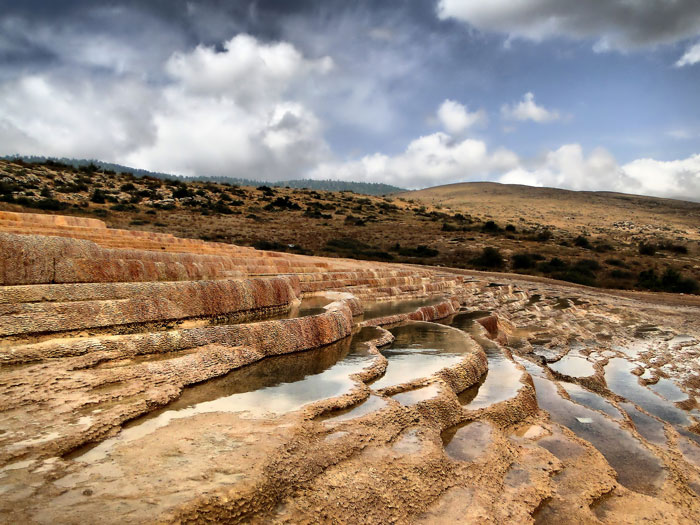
x=367, y=188
x=592, y=211
x=608, y=240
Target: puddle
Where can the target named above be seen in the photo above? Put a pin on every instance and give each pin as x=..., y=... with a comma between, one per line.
x=690, y=451
x=651, y=429
x=372, y=404
x=637, y=468
x=309, y=306
x=669, y=390
x=573, y=366
x=620, y=380
x=549, y=354
x=419, y=350
x=591, y=400
x=375, y=309
x=273, y=386
x=367, y=333
x=408, y=443
x=467, y=442
x=633, y=350
x=561, y=446
x=416, y=396
x=531, y=432
x=501, y=381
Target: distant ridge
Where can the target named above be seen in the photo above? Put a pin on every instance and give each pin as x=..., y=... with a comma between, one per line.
x=365, y=188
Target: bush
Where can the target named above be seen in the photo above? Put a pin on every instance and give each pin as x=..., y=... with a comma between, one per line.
x=673, y=281
x=221, y=207
x=98, y=196
x=646, y=249
x=490, y=227
x=48, y=204
x=489, y=258
x=587, y=264
x=123, y=207
x=668, y=246
x=282, y=203
x=522, y=261
x=615, y=262
x=670, y=281
x=267, y=191
x=582, y=242
x=419, y=251
x=621, y=274
x=181, y=192
x=354, y=249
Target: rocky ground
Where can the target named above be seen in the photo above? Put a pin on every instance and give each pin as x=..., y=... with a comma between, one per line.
x=149, y=395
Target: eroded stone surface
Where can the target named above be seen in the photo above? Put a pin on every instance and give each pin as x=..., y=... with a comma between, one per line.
x=242, y=411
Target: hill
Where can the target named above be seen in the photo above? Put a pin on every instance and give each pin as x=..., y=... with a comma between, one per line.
x=584, y=210
x=608, y=240
x=366, y=188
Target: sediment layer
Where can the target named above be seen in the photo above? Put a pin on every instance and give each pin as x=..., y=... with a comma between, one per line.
x=148, y=378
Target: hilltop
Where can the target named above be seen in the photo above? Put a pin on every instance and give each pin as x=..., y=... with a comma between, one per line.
x=367, y=188
x=608, y=240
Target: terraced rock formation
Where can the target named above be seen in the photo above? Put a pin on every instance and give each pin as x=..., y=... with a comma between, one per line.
x=146, y=378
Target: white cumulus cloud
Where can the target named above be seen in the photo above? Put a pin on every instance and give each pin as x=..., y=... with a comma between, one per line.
x=527, y=109
x=456, y=118
x=230, y=113
x=427, y=161
x=691, y=56
x=568, y=167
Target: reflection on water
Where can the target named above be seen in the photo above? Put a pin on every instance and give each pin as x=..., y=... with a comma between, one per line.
x=591, y=400
x=573, y=366
x=416, y=396
x=467, y=442
x=369, y=405
x=637, y=469
x=419, y=350
x=309, y=306
x=650, y=428
x=502, y=379
x=669, y=390
x=269, y=387
x=620, y=380
x=375, y=309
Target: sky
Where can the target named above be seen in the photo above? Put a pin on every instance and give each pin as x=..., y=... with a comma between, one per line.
x=584, y=95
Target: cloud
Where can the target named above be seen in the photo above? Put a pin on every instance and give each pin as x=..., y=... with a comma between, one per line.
x=51, y=115
x=568, y=167
x=427, y=161
x=246, y=71
x=691, y=56
x=527, y=109
x=613, y=24
x=455, y=117
x=230, y=112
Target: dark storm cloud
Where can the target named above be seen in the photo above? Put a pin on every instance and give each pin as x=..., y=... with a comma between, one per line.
x=621, y=24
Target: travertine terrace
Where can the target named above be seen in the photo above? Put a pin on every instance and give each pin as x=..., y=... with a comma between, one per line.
x=148, y=378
